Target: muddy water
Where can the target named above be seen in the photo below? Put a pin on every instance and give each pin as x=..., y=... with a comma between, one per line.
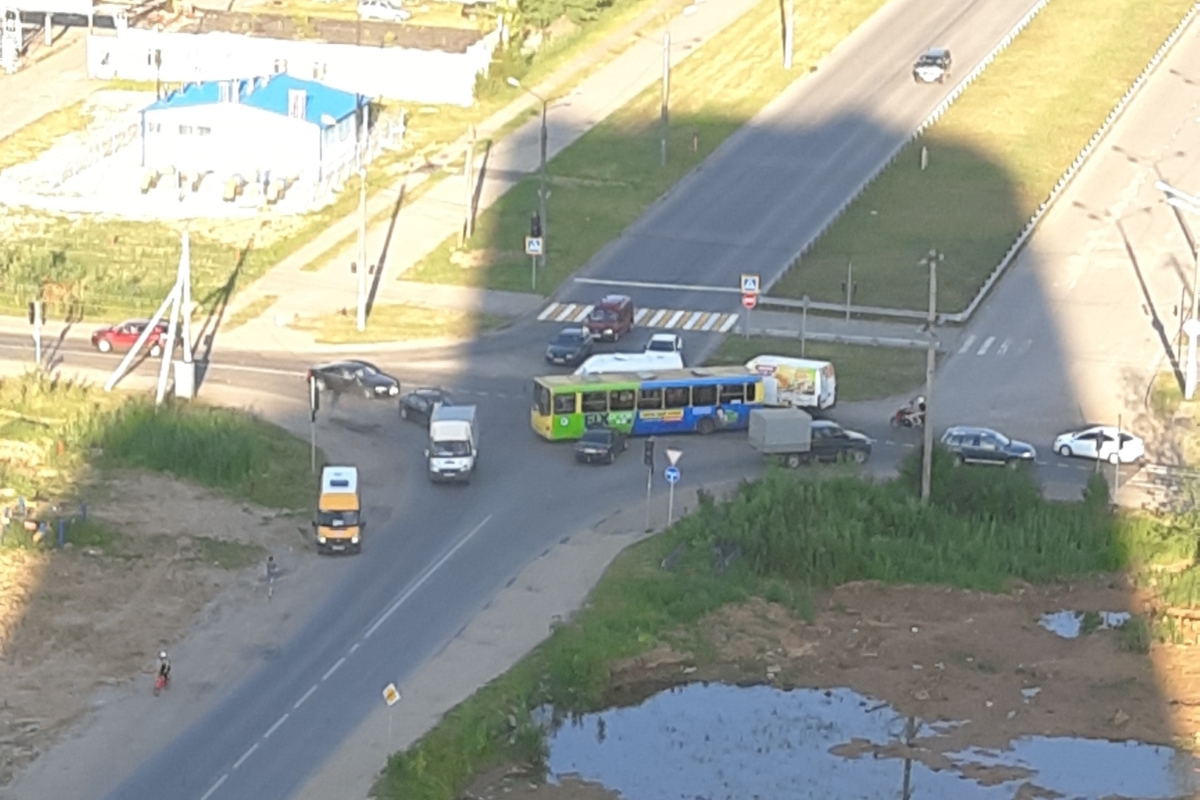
x=715, y=742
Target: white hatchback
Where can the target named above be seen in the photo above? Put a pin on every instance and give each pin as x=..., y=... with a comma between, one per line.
x=384, y=10
x=1101, y=442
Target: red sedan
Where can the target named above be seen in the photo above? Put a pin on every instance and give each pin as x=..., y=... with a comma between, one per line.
x=124, y=335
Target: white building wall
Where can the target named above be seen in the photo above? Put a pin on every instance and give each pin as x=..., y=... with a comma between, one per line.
x=230, y=139
x=424, y=76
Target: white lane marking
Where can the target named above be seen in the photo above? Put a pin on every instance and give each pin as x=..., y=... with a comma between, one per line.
x=334, y=668
x=307, y=695
x=708, y=323
x=657, y=316
x=678, y=287
x=355, y=647
x=245, y=755
x=987, y=343
x=215, y=786
x=678, y=315
x=640, y=315
x=729, y=323
x=583, y=314
x=566, y=312
x=692, y=320
x=275, y=727
x=1003, y=348
x=1024, y=347
x=550, y=309
x=429, y=573
x=967, y=344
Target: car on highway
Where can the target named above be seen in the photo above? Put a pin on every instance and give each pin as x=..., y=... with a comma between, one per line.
x=571, y=347
x=611, y=318
x=419, y=404
x=971, y=445
x=355, y=377
x=124, y=335
x=383, y=10
x=600, y=445
x=1101, y=442
x=933, y=66
x=832, y=442
x=665, y=343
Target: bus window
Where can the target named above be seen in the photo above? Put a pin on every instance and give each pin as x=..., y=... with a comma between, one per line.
x=678, y=396
x=649, y=398
x=621, y=400
x=541, y=399
x=733, y=393
x=595, y=402
x=564, y=403
x=704, y=395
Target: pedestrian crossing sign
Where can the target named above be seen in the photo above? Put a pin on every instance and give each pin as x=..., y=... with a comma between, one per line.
x=533, y=245
x=391, y=695
x=749, y=284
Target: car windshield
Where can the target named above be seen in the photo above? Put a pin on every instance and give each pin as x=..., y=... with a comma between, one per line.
x=366, y=372
x=1001, y=438
x=452, y=449
x=571, y=339
x=603, y=315
x=595, y=437
x=337, y=519
x=661, y=345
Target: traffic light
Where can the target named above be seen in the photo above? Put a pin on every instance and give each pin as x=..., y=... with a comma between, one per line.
x=314, y=396
x=649, y=455
x=535, y=226
x=32, y=312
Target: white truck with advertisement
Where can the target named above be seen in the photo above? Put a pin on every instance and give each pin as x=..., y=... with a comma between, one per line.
x=796, y=382
x=453, y=450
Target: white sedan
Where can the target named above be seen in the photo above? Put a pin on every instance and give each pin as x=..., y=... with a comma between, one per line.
x=1101, y=442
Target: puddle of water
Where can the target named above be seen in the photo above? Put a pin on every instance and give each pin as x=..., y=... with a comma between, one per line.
x=714, y=741
x=1069, y=624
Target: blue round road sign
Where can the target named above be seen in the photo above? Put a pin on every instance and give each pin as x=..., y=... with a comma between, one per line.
x=671, y=474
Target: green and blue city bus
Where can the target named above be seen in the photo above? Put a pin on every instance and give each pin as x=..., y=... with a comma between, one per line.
x=646, y=403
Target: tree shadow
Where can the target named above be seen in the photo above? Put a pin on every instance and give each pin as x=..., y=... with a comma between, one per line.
x=216, y=301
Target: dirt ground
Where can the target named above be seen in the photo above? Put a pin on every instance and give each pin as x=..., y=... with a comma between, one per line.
x=939, y=654
x=77, y=619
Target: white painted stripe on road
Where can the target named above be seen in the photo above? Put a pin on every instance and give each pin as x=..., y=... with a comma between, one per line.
x=566, y=312
x=729, y=323
x=334, y=668
x=582, y=315
x=429, y=573
x=657, y=316
x=246, y=755
x=987, y=343
x=708, y=323
x=967, y=344
x=307, y=695
x=692, y=320
x=550, y=309
x=215, y=786
x=678, y=315
x=1003, y=348
x=640, y=315
x=355, y=647
x=1024, y=347
x=275, y=727
x=674, y=287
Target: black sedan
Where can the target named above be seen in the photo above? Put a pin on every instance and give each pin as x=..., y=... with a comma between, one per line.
x=418, y=405
x=355, y=377
x=570, y=347
x=600, y=445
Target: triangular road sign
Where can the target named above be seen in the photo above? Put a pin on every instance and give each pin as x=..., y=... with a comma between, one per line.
x=673, y=455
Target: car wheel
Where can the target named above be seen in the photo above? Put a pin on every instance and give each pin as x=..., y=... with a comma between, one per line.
x=104, y=346
x=793, y=461
x=705, y=426
x=1065, y=451
x=610, y=458
x=859, y=456
x=155, y=350
x=958, y=461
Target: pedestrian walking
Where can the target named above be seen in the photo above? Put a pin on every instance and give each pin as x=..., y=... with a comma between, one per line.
x=272, y=571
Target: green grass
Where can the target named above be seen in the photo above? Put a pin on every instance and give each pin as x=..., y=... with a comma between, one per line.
x=227, y=554
x=399, y=323
x=604, y=181
x=251, y=311
x=993, y=158
x=34, y=139
x=863, y=373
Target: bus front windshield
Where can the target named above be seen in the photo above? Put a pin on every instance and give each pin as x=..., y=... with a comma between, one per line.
x=337, y=519
x=541, y=399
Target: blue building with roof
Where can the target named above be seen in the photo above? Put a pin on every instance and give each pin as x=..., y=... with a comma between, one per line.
x=277, y=125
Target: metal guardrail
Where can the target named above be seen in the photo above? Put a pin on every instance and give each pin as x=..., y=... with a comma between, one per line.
x=842, y=338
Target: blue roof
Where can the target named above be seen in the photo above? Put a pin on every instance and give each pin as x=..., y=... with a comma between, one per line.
x=269, y=94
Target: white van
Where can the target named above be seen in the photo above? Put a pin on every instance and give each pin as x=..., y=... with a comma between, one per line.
x=797, y=382
x=630, y=362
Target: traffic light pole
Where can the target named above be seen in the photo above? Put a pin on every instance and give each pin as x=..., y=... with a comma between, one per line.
x=649, y=460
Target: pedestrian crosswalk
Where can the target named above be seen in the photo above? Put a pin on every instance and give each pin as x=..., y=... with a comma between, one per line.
x=996, y=346
x=667, y=318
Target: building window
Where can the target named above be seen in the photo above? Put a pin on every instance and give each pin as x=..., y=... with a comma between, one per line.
x=185, y=130
x=153, y=127
x=280, y=65
x=318, y=71
x=204, y=131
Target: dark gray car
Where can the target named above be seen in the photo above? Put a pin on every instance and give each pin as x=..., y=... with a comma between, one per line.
x=355, y=377
x=571, y=347
x=986, y=446
x=832, y=442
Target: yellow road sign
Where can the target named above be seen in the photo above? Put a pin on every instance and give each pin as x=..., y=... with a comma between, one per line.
x=391, y=694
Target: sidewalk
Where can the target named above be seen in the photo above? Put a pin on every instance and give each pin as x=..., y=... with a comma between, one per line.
x=56, y=79
x=438, y=214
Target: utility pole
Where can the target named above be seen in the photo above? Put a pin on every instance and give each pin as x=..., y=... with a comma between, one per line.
x=362, y=216
x=932, y=261
x=543, y=180
x=469, y=174
x=789, y=33
x=666, y=99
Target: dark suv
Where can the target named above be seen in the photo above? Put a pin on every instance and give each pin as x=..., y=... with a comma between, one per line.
x=986, y=446
x=832, y=442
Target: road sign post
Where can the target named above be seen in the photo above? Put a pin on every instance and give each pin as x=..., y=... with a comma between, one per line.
x=750, y=288
x=672, y=474
x=391, y=696
x=314, y=405
x=648, y=458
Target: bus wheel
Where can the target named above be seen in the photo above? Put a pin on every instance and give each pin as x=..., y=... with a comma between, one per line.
x=706, y=426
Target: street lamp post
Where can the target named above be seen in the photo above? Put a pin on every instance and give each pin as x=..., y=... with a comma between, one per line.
x=542, y=140
x=1182, y=201
x=932, y=260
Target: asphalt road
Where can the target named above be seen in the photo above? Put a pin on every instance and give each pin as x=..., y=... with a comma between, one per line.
x=772, y=186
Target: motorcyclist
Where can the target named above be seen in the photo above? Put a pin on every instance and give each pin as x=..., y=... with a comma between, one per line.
x=918, y=409
x=164, y=666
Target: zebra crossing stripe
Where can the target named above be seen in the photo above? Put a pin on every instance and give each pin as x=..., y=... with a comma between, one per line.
x=1003, y=348
x=550, y=309
x=710, y=319
x=678, y=315
x=986, y=344
x=566, y=312
x=967, y=344
x=640, y=315
x=658, y=315
x=729, y=323
x=692, y=320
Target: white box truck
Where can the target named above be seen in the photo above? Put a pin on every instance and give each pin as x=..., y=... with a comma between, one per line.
x=453, y=450
x=796, y=382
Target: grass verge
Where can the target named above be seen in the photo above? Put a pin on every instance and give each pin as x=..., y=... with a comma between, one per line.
x=863, y=373
x=251, y=311
x=993, y=158
x=605, y=180
x=795, y=534
x=34, y=139
x=399, y=323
